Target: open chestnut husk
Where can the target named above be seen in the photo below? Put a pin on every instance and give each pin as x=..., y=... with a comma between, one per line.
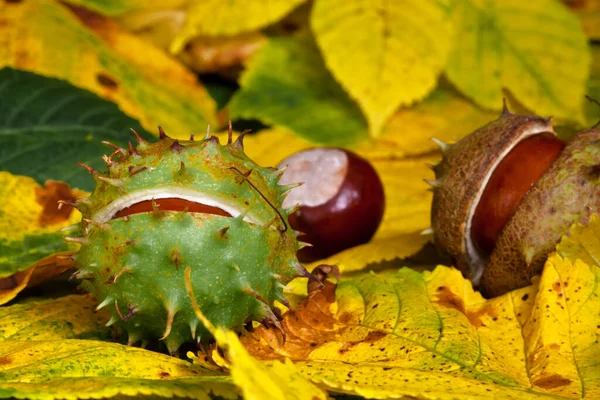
x=505, y=195
x=340, y=203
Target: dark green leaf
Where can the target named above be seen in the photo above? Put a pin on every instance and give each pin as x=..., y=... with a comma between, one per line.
x=47, y=125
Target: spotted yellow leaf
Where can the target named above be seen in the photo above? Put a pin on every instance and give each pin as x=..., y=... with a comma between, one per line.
x=384, y=53
x=29, y=224
x=68, y=317
x=51, y=369
x=97, y=55
x=430, y=335
x=535, y=49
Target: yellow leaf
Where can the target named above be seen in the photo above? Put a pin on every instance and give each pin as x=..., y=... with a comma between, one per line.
x=71, y=369
x=384, y=53
x=430, y=335
x=47, y=38
x=215, y=17
x=68, y=317
x=508, y=44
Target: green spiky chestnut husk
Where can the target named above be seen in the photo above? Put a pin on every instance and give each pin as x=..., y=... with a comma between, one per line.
x=134, y=264
x=567, y=192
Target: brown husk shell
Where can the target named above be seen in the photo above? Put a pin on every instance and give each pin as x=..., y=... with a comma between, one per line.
x=461, y=178
x=566, y=194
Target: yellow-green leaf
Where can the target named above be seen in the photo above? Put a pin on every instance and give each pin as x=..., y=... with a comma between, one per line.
x=430, y=335
x=535, y=49
x=118, y=7
x=69, y=317
x=101, y=57
x=216, y=17
x=71, y=369
x=384, y=53
x=287, y=85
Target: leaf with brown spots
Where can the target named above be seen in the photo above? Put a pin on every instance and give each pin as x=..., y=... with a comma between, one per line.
x=94, y=53
x=31, y=249
x=430, y=335
x=52, y=369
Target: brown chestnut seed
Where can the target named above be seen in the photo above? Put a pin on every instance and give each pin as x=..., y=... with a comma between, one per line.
x=512, y=178
x=483, y=202
x=340, y=204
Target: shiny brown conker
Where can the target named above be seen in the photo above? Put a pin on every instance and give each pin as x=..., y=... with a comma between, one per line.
x=340, y=204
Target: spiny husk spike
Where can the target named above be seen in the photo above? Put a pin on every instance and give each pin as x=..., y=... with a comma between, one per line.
x=67, y=202
x=222, y=233
x=283, y=287
x=230, y=133
x=132, y=338
x=118, y=310
x=99, y=225
x=114, y=278
x=285, y=302
x=82, y=275
x=435, y=183
x=239, y=142
x=207, y=134
x=193, y=327
x=170, y=317
x=110, y=181
x=161, y=133
x=176, y=257
x=112, y=320
x=138, y=137
x=288, y=188
x=304, y=272
x=271, y=317
x=443, y=146
x=114, y=146
x=302, y=245
x=236, y=267
x=69, y=228
x=132, y=150
x=269, y=224
x=279, y=173
x=248, y=290
x=176, y=147
x=133, y=171
x=505, y=111
x=427, y=231
x=191, y=137
x=78, y=240
x=109, y=163
x=89, y=169
x=277, y=277
x=107, y=301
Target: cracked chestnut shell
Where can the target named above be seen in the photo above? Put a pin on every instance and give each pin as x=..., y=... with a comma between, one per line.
x=340, y=203
x=502, y=251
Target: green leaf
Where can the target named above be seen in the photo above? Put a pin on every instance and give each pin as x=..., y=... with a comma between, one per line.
x=536, y=49
x=47, y=125
x=384, y=53
x=17, y=256
x=287, y=84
